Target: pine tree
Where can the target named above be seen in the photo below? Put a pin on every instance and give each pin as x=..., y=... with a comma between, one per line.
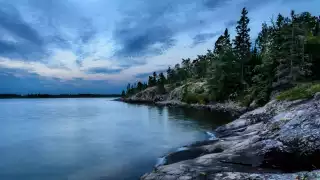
x=170, y=75
x=186, y=65
x=312, y=49
x=150, y=81
x=222, y=41
x=177, y=74
x=222, y=79
x=155, y=77
x=139, y=86
x=242, y=43
x=263, y=72
x=201, y=66
x=128, y=89
x=295, y=65
x=123, y=94
x=145, y=85
x=161, y=82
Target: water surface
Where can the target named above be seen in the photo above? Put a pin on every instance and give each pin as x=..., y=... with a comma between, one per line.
x=91, y=139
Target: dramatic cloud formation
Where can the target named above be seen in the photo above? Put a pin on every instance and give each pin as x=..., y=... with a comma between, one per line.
x=97, y=46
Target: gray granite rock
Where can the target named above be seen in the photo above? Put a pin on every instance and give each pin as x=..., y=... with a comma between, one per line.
x=278, y=141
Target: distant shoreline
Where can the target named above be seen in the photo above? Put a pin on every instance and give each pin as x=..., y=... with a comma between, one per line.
x=43, y=96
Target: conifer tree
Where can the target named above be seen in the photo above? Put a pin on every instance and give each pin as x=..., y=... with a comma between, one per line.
x=242, y=43
x=161, y=82
x=155, y=77
x=139, y=86
x=222, y=78
x=170, y=75
x=123, y=94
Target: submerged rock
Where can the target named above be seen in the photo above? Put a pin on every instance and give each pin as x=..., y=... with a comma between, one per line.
x=278, y=141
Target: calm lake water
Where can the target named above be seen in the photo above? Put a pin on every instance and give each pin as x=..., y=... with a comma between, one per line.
x=91, y=139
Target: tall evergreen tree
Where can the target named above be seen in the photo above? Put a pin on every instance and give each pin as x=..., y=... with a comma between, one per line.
x=128, y=89
x=242, y=43
x=186, y=65
x=161, y=82
x=222, y=77
x=123, y=94
x=170, y=75
x=155, y=77
x=177, y=74
x=294, y=64
x=139, y=86
x=150, y=81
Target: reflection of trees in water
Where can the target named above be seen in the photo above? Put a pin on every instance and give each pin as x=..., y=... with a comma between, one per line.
x=203, y=116
x=160, y=110
x=158, y=113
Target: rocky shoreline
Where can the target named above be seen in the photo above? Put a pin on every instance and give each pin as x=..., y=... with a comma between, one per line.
x=279, y=141
x=233, y=109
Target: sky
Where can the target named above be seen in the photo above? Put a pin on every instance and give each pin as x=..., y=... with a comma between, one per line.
x=98, y=46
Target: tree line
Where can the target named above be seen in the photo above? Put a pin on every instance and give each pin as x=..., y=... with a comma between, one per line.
x=8, y=96
x=155, y=80
x=285, y=53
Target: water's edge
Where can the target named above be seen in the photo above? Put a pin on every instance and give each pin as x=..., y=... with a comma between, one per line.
x=264, y=143
x=194, y=149
x=229, y=109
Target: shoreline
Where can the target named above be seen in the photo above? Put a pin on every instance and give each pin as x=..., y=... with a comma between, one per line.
x=260, y=143
x=231, y=108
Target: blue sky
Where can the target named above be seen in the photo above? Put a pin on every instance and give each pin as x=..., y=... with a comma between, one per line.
x=98, y=46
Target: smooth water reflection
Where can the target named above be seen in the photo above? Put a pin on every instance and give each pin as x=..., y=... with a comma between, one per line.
x=91, y=138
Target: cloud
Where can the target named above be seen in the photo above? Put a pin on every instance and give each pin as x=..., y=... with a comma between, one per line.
x=203, y=37
x=212, y=4
x=152, y=28
x=230, y=23
x=13, y=23
x=20, y=82
x=18, y=39
x=81, y=43
x=140, y=42
x=104, y=71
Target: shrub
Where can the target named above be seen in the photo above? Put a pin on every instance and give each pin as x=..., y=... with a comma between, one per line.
x=246, y=100
x=302, y=91
x=199, y=90
x=192, y=98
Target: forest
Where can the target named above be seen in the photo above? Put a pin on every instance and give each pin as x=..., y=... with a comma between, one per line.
x=285, y=55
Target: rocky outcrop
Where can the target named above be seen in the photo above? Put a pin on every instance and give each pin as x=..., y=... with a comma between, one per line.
x=279, y=141
x=174, y=96
x=149, y=95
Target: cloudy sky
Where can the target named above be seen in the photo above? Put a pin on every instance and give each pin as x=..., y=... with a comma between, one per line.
x=98, y=46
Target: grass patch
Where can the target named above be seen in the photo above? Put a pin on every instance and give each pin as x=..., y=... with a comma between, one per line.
x=302, y=91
